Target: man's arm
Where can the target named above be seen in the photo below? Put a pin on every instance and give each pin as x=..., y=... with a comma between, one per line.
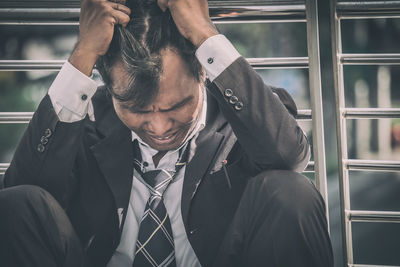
x=47, y=152
x=261, y=116
x=257, y=113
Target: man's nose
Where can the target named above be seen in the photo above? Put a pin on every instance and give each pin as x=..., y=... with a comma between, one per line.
x=159, y=124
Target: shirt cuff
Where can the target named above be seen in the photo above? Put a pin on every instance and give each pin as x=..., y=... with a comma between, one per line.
x=71, y=93
x=216, y=54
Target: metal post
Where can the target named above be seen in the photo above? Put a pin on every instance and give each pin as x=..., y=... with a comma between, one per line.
x=316, y=100
x=342, y=136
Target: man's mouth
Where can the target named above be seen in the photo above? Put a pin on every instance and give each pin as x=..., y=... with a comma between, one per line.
x=163, y=139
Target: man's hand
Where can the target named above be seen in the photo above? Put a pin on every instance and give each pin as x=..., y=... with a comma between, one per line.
x=96, y=28
x=192, y=19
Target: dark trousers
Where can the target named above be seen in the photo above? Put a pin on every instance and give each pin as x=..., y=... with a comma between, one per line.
x=280, y=222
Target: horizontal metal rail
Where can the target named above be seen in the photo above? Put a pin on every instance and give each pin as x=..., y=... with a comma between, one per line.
x=279, y=62
x=373, y=216
x=55, y=65
x=76, y=3
x=369, y=265
x=3, y=167
x=15, y=117
x=368, y=9
x=370, y=59
x=304, y=114
x=371, y=113
x=371, y=165
x=310, y=167
x=231, y=12
x=28, y=65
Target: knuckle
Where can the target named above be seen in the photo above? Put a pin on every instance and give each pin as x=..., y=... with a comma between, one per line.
x=107, y=9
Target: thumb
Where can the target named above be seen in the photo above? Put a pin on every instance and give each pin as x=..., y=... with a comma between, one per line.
x=163, y=4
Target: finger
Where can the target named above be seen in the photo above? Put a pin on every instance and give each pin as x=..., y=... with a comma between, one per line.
x=120, y=7
x=163, y=4
x=118, y=1
x=120, y=17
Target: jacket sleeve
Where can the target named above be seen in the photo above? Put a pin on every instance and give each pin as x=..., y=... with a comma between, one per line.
x=262, y=118
x=46, y=153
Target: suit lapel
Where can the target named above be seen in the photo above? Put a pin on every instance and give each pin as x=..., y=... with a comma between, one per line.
x=208, y=143
x=114, y=156
x=206, y=148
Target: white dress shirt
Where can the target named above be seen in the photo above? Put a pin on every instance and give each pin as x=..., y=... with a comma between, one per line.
x=215, y=55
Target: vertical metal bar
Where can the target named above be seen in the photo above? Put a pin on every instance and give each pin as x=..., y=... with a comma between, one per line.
x=344, y=187
x=316, y=100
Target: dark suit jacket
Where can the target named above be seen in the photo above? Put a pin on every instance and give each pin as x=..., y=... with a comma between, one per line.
x=87, y=166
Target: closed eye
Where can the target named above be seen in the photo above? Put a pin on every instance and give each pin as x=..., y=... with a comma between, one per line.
x=179, y=104
x=176, y=106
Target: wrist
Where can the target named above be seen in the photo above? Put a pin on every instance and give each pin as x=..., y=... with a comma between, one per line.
x=202, y=35
x=83, y=60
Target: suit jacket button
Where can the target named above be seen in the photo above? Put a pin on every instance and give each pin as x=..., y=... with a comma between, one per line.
x=44, y=140
x=228, y=92
x=47, y=133
x=239, y=106
x=233, y=100
x=40, y=148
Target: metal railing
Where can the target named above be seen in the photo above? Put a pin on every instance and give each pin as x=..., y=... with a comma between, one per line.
x=359, y=10
x=48, y=13
x=55, y=65
x=3, y=168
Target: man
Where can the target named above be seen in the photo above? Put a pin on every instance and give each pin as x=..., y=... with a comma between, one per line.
x=154, y=169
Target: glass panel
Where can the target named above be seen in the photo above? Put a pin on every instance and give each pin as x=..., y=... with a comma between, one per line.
x=37, y=42
x=372, y=86
x=310, y=175
x=10, y=134
x=251, y=39
x=295, y=81
x=371, y=190
x=22, y=91
x=260, y=39
x=376, y=243
x=371, y=35
x=374, y=139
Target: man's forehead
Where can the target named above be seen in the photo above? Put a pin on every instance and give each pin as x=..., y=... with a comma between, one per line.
x=159, y=102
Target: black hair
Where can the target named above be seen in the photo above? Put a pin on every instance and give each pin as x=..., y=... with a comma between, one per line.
x=138, y=46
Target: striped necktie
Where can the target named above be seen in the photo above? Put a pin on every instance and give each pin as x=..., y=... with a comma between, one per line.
x=155, y=243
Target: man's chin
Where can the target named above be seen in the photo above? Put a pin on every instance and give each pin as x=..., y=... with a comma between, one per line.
x=164, y=145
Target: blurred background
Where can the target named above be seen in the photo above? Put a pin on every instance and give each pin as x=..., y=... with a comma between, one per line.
x=365, y=87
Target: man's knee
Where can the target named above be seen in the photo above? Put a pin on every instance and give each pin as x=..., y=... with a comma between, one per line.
x=286, y=191
x=17, y=199
x=287, y=214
